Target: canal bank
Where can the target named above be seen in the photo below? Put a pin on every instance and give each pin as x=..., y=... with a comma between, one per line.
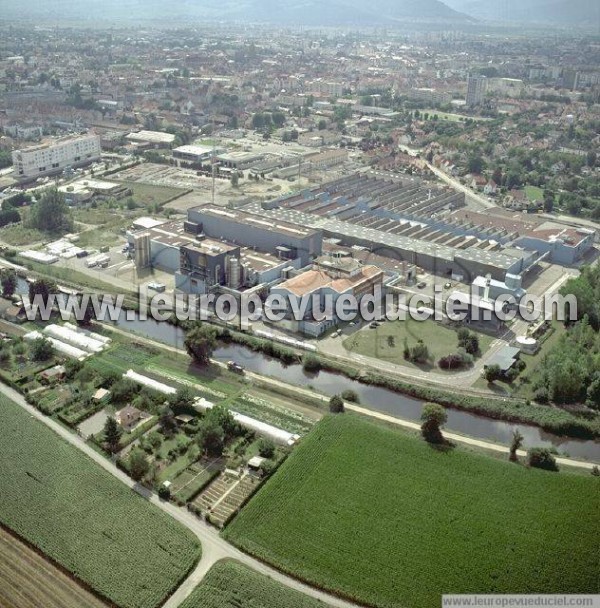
x=372, y=398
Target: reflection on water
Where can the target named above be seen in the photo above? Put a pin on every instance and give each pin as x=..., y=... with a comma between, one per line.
x=375, y=398
x=372, y=397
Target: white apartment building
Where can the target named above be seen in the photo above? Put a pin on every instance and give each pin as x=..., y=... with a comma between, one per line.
x=55, y=155
x=476, y=90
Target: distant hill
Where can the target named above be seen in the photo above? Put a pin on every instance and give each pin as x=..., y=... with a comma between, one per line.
x=558, y=12
x=279, y=12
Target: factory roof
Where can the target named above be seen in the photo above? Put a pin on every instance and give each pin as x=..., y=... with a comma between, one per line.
x=155, y=137
x=313, y=280
x=260, y=261
x=194, y=150
x=254, y=219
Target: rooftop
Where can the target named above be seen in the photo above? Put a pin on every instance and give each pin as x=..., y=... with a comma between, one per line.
x=152, y=137
x=313, y=280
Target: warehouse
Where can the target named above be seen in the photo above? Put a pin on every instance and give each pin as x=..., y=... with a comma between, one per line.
x=286, y=240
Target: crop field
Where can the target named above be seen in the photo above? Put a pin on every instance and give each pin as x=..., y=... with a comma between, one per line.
x=381, y=517
x=229, y=584
x=27, y=580
x=79, y=515
x=284, y=418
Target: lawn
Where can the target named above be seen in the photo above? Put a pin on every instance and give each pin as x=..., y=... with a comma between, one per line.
x=19, y=236
x=439, y=339
x=149, y=196
x=379, y=516
x=534, y=193
x=533, y=362
x=229, y=584
x=89, y=522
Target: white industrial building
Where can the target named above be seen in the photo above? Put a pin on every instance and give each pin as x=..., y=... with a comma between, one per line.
x=56, y=155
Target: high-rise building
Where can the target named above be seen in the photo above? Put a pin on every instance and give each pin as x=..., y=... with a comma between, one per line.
x=476, y=90
x=54, y=156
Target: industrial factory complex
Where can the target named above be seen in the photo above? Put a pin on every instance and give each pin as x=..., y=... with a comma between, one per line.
x=349, y=236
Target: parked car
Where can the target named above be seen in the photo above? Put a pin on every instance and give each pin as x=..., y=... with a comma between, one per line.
x=158, y=287
x=235, y=367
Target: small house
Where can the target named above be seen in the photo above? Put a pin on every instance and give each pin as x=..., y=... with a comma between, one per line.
x=102, y=395
x=53, y=374
x=128, y=417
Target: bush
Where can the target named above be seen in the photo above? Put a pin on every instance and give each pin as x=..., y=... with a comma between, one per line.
x=336, y=405
x=542, y=458
x=266, y=448
x=164, y=493
x=433, y=417
x=311, y=363
x=350, y=395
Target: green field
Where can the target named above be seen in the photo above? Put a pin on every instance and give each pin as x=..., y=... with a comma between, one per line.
x=229, y=584
x=381, y=517
x=86, y=520
x=440, y=340
x=534, y=193
x=147, y=195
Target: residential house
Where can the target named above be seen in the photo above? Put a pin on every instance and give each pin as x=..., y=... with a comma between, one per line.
x=129, y=417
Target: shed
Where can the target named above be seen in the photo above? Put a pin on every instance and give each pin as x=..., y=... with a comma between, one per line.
x=101, y=395
x=505, y=358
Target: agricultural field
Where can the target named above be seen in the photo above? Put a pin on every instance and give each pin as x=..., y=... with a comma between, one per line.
x=381, y=517
x=229, y=584
x=27, y=580
x=84, y=519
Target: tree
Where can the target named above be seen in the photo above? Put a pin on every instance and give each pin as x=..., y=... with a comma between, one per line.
x=419, y=353
x=475, y=164
x=43, y=288
x=88, y=314
x=182, y=400
x=138, y=464
x=41, y=349
x=200, y=343
x=515, y=444
x=322, y=124
x=548, y=201
x=211, y=438
x=224, y=418
x=497, y=176
x=266, y=448
x=492, y=373
x=235, y=180
x=51, y=213
x=8, y=281
x=433, y=418
x=336, y=405
x=542, y=458
x=167, y=422
x=112, y=434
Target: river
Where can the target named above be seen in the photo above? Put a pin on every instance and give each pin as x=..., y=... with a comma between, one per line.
x=372, y=397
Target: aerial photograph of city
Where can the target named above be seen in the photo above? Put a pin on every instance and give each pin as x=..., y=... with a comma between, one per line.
x=299, y=303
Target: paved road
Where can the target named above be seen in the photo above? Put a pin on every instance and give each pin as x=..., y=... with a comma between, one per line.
x=214, y=548
x=456, y=184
